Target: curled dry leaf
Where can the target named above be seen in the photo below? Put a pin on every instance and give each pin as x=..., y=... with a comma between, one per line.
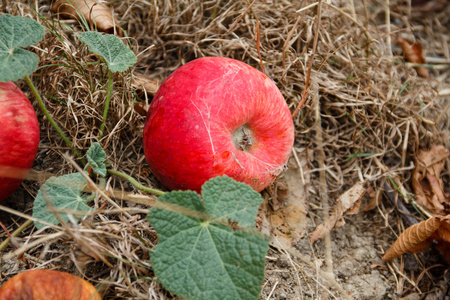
x=427, y=183
x=413, y=239
x=96, y=13
x=444, y=230
x=375, y=199
x=143, y=86
x=48, y=285
x=421, y=236
x=142, y=82
x=348, y=203
x=413, y=53
x=442, y=238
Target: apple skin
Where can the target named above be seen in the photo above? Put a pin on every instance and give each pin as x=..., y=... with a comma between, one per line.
x=48, y=285
x=19, y=137
x=217, y=116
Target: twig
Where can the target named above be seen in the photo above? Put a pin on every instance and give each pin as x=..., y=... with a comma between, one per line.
x=288, y=39
x=308, y=7
x=388, y=26
x=258, y=33
x=322, y=174
x=368, y=35
x=240, y=17
x=289, y=36
x=22, y=215
x=15, y=233
x=352, y=8
x=308, y=73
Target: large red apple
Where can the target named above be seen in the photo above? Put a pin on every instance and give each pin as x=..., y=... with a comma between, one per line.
x=19, y=137
x=217, y=116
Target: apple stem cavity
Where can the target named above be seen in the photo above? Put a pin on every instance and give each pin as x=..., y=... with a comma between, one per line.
x=243, y=138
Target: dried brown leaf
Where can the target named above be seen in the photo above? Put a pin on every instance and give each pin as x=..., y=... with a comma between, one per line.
x=442, y=239
x=348, y=203
x=444, y=230
x=95, y=13
x=426, y=181
x=285, y=216
x=375, y=199
x=141, y=108
x=413, y=53
x=142, y=82
x=144, y=86
x=413, y=239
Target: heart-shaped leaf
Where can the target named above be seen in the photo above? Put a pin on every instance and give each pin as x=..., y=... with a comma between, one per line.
x=118, y=57
x=203, y=259
x=63, y=193
x=17, y=33
x=96, y=157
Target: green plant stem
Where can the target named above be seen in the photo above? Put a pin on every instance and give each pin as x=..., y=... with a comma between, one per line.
x=135, y=183
x=51, y=120
x=108, y=99
x=15, y=233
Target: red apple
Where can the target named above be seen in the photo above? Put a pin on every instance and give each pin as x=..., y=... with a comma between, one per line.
x=48, y=285
x=19, y=137
x=217, y=116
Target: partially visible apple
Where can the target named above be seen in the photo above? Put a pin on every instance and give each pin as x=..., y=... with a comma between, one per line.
x=19, y=137
x=217, y=116
x=48, y=285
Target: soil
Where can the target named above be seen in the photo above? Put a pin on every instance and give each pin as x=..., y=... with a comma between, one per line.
x=357, y=266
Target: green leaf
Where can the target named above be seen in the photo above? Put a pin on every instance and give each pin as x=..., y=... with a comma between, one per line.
x=62, y=192
x=96, y=157
x=118, y=57
x=225, y=198
x=17, y=33
x=203, y=259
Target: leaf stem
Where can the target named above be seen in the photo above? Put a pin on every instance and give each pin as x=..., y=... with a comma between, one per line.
x=108, y=100
x=50, y=119
x=135, y=183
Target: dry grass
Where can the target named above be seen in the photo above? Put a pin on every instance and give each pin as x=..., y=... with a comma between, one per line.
x=375, y=112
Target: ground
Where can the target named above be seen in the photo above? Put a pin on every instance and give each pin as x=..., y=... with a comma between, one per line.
x=366, y=115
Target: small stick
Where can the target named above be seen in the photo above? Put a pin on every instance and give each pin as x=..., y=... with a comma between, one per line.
x=366, y=32
x=388, y=26
x=308, y=73
x=15, y=233
x=258, y=32
x=352, y=8
x=322, y=175
x=240, y=17
x=290, y=34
